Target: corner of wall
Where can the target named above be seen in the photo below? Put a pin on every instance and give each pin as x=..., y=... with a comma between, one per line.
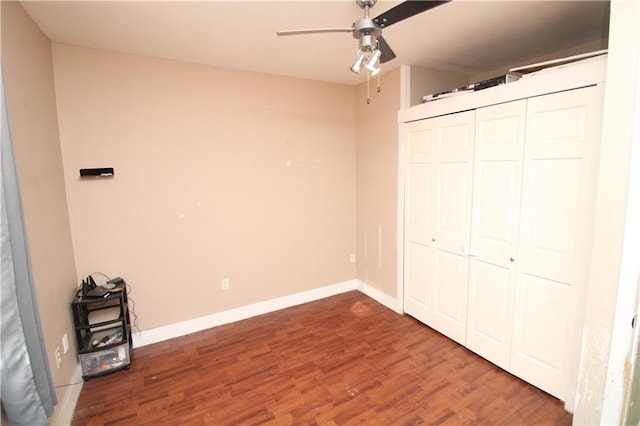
x=28, y=75
x=67, y=399
x=392, y=303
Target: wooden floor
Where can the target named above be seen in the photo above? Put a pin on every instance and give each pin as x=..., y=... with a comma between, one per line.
x=342, y=360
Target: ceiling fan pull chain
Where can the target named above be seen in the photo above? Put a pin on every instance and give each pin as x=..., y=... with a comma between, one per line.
x=368, y=97
x=378, y=89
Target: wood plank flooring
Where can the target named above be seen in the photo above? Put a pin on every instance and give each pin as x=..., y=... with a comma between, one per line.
x=341, y=360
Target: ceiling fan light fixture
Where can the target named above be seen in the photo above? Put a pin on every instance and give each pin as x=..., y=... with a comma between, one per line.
x=373, y=66
x=358, y=63
x=367, y=42
x=372, y=47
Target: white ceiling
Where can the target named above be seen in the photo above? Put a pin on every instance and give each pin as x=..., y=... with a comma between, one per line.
x=465, y=36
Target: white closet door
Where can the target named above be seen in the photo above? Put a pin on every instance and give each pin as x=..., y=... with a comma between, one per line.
x=419, y=218
x=448, y=284
x=497, y=184
x=554, y=243
x=438, y=173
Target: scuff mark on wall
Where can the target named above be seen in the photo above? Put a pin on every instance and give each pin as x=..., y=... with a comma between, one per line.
x=595, y=341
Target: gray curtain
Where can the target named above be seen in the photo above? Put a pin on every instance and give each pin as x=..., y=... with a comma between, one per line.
x=26, y=391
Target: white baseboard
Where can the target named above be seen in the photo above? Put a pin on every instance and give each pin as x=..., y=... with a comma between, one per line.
x=570, y=403
x=160, y=334
x=155, y=335
x=67, y=399
x=380, y=297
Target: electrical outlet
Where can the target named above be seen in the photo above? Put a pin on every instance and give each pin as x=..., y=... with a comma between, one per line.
x=65, y=343
x=58, y=358
x=352, y=258
x=225, y=284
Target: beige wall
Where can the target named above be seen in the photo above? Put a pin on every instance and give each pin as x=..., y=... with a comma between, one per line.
x=377, y=182
x=27, y=70
x=218, y=174
x=424, y=82
x=590, y=46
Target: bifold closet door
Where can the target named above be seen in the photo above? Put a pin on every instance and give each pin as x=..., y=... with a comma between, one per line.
x=555, y=235
x=437, y=222
x=497, y=184
x=419, y=219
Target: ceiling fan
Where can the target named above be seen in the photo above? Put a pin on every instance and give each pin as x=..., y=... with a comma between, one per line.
x=372, y=47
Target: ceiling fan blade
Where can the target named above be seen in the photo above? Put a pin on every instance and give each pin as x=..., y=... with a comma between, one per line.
x=315, y=30
x=406, y=10
x=387, y=53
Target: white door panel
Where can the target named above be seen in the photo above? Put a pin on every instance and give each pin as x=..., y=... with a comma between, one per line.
x=558, y=131
x=455, y=135
x=542, y=313
x=419, y=187
x=417, y=214
x=542, y=334
x=453, y=208
x=438, y=173
x=489, y=311
x=454, y=171
x=497, y=185
x=420, y=142
x=553, y=210
x=416, y=277
x=497, y=205
x=554, y=242
x=450, y=295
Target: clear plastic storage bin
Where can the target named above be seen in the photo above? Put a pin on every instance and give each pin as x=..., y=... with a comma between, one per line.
x=106, y=360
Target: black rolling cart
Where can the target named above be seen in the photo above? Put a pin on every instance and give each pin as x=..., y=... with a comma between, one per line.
x=103, y=331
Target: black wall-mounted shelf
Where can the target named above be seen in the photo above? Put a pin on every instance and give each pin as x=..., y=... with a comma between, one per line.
x=97, y=172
